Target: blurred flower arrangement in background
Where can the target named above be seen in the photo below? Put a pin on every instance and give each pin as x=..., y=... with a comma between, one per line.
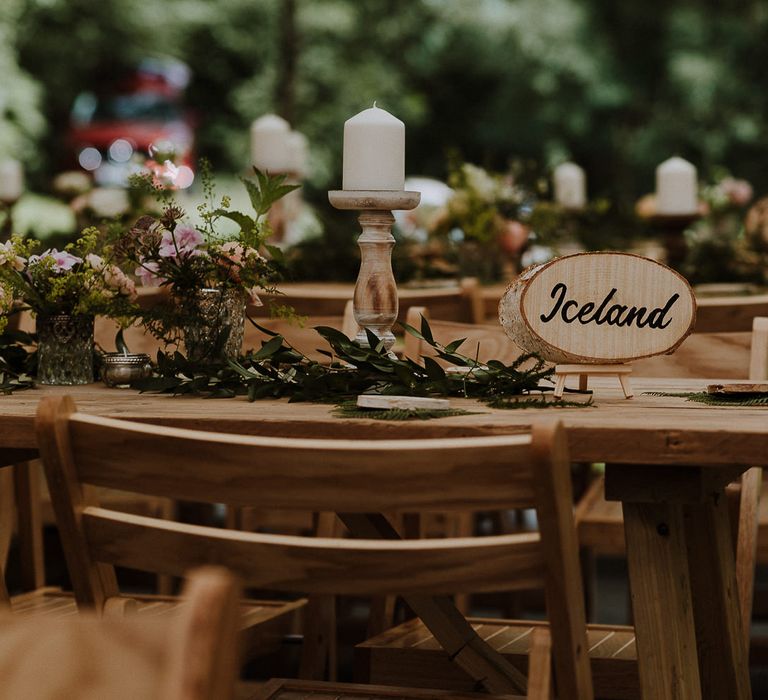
x=483, y=222
x=729, y=242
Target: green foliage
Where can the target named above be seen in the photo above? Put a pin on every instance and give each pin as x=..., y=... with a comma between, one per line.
x=350, y=409
x=717, y=399
x=278, y=370
x=17, y=362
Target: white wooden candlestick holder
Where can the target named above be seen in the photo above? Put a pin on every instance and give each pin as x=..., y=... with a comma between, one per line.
x=375, y=302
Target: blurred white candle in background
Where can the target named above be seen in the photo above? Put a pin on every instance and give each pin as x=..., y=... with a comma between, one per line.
x=374, y=151
x=270, y=144
x=11, y=180
x=676, y=188
x=570, y=186
x=299, y=153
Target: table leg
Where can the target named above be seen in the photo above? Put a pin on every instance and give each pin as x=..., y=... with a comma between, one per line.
x=661, y=601
x=723, y=662
x=6, y=519
x=438, y=613
x=30, y=532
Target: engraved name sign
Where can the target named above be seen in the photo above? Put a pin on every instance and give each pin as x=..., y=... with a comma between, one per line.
x=598, y=308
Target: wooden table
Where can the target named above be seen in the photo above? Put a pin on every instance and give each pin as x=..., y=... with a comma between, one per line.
x=668, y=462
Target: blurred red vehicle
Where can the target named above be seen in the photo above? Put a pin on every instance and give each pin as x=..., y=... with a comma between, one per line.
x=142, y=118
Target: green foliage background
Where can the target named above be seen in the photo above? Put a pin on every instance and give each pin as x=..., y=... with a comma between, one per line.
x=616, y=85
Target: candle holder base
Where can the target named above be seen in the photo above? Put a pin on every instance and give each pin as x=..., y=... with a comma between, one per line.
x=672, y=228
x=375, y=304
x=382, y=200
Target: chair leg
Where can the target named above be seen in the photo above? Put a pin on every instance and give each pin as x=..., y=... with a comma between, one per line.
x=318, y=652
x=464, y=528
x=167, y=511
x=589, y=576
x=540, y=666
x=6, y=513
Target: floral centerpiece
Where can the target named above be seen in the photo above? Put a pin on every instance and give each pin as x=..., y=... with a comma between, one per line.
x=204, y=277
x=65, y=289
x=485, y=216
x=721, y=248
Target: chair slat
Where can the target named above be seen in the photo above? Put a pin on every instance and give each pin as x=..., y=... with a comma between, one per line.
x=318, y=565
x=729, y=314
x=392, y=475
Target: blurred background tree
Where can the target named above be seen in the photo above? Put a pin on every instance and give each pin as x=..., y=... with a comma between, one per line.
x=616, y=86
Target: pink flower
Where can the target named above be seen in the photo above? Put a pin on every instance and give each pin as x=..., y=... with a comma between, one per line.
x=62, y=261
x=183, y=241
x=116, y=279
x=253, y=295
x=235, y=255
x=739, y=192
x=147, y=272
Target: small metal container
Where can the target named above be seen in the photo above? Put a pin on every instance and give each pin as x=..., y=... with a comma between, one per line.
x=120, y=369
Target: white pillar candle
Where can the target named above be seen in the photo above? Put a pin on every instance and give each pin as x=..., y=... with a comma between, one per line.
x=676, y=188
x=270, y=144
x=299, y=150
x=11, y=180
x=570, y=186
x=374, y=151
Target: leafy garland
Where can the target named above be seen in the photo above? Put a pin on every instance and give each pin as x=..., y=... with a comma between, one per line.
x=716, y=399
x=17, y=363
x=278, y=370
x=350, y=409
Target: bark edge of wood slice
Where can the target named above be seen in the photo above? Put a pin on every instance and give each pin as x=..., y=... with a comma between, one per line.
x=599, y=307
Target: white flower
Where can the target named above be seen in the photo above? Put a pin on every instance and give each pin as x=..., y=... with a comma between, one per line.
x=95, y=261
x=8, y=257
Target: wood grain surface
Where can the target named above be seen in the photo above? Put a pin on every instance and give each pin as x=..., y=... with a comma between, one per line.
x=648, y=429
x=598, y=307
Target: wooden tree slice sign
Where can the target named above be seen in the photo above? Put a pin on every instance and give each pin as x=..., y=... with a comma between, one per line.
x=598, y=308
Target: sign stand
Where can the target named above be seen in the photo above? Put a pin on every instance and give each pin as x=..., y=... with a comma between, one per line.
x=622, y=372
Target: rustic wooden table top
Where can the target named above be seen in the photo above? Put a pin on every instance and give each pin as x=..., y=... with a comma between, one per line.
x=648, y=429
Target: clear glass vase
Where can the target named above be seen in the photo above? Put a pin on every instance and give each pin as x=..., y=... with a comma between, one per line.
x=216, y=332
x=64, y=349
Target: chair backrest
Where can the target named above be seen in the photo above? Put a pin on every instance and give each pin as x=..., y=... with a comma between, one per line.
x=485, y=341
x=729, y=314
x=720, y=344
x=302, y=334
x=344, y=476
x=191, y=655
x=456, y=302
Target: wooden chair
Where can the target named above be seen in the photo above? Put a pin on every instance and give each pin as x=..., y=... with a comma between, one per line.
x=279, y=689
x=347, y=477
x=191, y=655
x=486, y=341
x=600, y=522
